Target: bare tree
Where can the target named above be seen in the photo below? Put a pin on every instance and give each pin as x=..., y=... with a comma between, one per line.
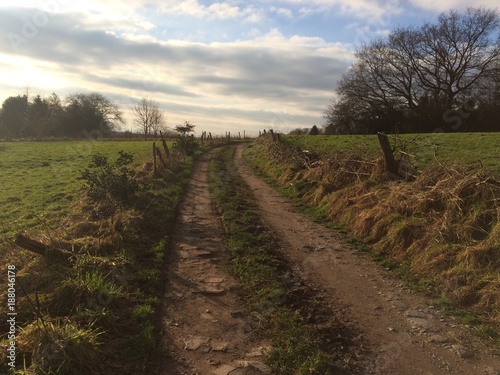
x=159, y=123
x=148, y=117
x=416, y=75
x=452, y=56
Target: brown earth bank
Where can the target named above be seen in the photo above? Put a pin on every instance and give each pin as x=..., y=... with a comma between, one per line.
x=207, y=332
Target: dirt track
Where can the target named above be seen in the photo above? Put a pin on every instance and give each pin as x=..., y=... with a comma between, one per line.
x=206, y=334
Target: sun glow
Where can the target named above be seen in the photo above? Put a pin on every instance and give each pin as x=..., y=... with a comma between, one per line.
x=21, y=72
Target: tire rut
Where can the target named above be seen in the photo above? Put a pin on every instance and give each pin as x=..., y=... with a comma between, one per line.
x=204, y=330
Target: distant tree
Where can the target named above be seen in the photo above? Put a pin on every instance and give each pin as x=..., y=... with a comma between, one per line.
x=38, y=117
x=185, y=128
x=56, y=114
x=486, y=112
x=89, y=112
x=13, y=116
x=314, y=130
x=185, y=143
x=159, y=123
x=299, y=131
x=148, y=117
x=346, y=116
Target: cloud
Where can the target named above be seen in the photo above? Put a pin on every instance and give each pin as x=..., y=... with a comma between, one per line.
x=214, y=11
x=361, y=9
x=445, y=5
x=254, y=82
x=282, y=12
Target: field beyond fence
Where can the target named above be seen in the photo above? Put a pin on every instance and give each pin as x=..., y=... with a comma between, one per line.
x=479, y=149
x=40, y=179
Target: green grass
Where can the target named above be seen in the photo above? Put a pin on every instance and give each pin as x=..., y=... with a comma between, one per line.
x=40, y=179
x=298, y=345
x=112, y=286
x=463, y=148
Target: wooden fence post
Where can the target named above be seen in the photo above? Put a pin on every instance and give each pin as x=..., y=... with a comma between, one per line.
x=158, y=152
x=165, y=146
x=154, y=159
x=389, y=156
x=40, y=248
x=273, y=135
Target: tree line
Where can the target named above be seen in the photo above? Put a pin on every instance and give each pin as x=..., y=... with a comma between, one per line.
x=75, y=117
x=442, y=76
x=80, y=115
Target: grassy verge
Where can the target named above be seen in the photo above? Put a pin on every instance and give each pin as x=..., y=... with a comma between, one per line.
x=40, y=179
x=440, y=231
x=98, y=312
x=425, y=150
x=304, y=341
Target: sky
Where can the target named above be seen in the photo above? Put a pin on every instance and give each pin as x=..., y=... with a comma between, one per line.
x=223, y=65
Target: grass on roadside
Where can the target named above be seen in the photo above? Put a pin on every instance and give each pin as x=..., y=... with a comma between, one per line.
x=98, y=313
x=299, y=346
x=40, y=179
x=480, y=149
x=439, y=231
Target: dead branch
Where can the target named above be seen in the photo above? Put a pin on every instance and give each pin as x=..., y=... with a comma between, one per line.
x=40, y=248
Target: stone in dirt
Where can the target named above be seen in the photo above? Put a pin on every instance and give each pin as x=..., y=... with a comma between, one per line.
x=224, y=370
x=258, y=352
x=463, y=352
x=208, y=316
x=210, y=290
x=424, y=325
x=195, y=342
x=214, y=280
x=219, y=346
x=256, y=365
x=416, y=314
x=439, y=339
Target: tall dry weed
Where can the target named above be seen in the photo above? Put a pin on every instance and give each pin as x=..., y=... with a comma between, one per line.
x=445, y=223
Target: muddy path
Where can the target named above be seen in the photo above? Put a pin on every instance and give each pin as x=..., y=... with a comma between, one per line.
x=204, y=329
x=407, y=335
x=207, y=333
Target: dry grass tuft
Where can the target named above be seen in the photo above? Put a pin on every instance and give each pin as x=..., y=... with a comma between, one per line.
x=444, y=224
x=61, y=347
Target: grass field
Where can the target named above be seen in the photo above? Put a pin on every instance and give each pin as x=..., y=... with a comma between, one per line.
x=426, y=149
x=94, y=310
x=40, y=179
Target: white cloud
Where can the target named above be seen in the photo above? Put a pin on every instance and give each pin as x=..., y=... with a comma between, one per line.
x=445, y=5
x=249, y=82
x=223, y=11
x=214, y=11
x=283, y=12
x=364, y=9
x=253, y=15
